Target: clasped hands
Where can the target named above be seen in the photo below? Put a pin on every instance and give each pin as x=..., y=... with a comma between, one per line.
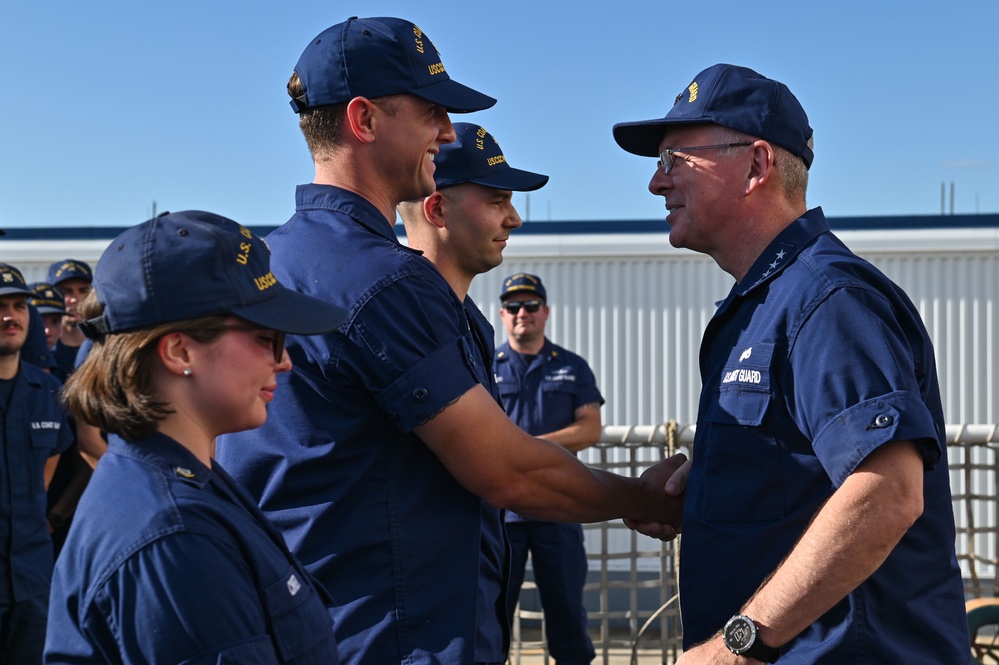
x=668, y=477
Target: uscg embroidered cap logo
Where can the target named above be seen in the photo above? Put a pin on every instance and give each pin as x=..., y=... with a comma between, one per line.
x=12, y=281
x=60, y=271
x=374, y=57
x=522, y=282
x=47, y=299
x=475, y=156
x=193, y=264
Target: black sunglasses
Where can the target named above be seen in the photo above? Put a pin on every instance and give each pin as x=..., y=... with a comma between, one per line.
x=530, y=305
x=277, y=342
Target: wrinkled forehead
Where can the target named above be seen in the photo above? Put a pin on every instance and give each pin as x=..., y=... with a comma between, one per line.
x=683, y=135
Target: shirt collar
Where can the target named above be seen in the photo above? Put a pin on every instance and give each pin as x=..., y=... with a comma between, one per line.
x=164, y=453
x=783, y=249
x=337, y=199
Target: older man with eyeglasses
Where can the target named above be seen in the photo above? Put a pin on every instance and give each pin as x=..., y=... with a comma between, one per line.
x=818, y=525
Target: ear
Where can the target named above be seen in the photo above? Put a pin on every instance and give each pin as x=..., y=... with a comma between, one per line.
x=433, y=209
x=174, y=352
x=360, y=117
x=762, y=167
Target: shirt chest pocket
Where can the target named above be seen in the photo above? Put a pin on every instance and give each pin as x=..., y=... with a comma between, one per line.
x=559, y=386
x=508, y=389
x=742, y=463
x=300, y=622
x=744, y=392
x=43, y=446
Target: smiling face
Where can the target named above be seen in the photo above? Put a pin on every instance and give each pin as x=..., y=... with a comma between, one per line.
x=478, y=223
x=409, y=132
x=235, y=377
x=524, y=328
x=702, y=188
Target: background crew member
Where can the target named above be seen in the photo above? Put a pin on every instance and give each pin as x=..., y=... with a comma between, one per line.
x=818, y=519
x=169, y=560
x=462, y=228
x=50, y=303
x=33, y=432
x=551, y=393
x=389, y=437
x=73, y=278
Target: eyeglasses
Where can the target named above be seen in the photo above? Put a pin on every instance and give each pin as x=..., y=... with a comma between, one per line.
x=666, y=156
x=514, y=307
x=276, y=342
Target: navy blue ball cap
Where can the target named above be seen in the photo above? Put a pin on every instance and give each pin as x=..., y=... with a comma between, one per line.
x=523, y=282
x=374, y=57
x=12, y=281
x=60, y=271
x=46, y=298
x=475, y=156
x=733, y=97
x=191, y=264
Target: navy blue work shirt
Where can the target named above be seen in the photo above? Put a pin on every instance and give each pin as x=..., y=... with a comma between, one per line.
x=541, y=393
x=491, y=646
x=33, y=428
x=813, y=361
x=359, y=497
x=169, y=561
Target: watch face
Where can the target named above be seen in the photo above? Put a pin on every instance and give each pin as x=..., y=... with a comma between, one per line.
x=740, y=633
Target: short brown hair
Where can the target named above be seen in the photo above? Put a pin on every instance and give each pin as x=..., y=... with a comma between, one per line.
x=319, y=125
x=112, y=389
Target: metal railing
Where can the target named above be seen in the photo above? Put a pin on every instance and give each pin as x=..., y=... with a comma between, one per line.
x=630, y=595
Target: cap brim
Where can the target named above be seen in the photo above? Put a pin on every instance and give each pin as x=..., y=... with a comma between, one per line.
x=520, y=289
x=515, y=180
x=641, y=137
x=454, y=96
x=293, y=312
x=13, y=290
x=45, y=309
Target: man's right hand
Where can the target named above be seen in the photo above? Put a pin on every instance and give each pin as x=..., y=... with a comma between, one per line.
x=671, y=476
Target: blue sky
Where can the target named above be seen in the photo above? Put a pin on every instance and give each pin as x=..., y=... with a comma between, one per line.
x=110, y=105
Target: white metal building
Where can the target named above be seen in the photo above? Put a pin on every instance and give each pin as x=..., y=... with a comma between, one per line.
x=635, y=307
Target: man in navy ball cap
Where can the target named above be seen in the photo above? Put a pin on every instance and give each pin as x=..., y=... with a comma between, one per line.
x=33, y=433
x=463, y=228
x=818, y=525
x=384, y=459
x=73, y=278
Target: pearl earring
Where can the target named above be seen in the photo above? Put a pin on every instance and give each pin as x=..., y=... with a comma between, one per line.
x=187, y=371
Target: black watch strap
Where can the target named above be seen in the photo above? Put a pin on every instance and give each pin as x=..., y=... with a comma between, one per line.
x=761, y=651
x=742, y=639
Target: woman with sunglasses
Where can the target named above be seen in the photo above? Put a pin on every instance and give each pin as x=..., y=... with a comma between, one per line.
x=168, y=560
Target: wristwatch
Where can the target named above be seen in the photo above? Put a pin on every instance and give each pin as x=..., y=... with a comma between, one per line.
x=742, y=639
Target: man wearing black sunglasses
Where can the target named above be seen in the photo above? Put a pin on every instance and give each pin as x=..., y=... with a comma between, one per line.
x=551, y=393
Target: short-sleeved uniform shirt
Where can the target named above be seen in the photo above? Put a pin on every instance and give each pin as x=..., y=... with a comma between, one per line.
x=359, y=497
x=541, y=393
x=809, y=365
x=33, y=428
x=491, y=646
x=169, y=561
